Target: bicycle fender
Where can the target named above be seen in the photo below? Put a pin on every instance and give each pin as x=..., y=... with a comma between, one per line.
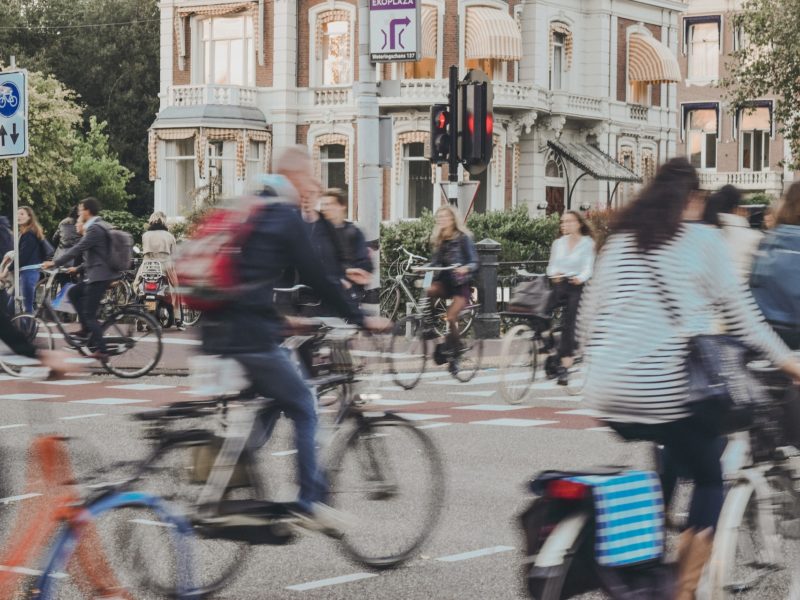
x=561, y=540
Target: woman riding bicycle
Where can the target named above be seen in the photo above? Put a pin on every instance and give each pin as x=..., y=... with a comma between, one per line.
x=659, y=282
x=569, y=268
x=452, y=247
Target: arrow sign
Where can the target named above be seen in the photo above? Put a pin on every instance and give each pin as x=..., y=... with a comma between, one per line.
x=14, y=135
x=2, y=136
x=392, y=36
x=395, y=30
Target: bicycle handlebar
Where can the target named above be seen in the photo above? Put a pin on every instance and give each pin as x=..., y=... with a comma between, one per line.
x=413, y=256
x=436, y=269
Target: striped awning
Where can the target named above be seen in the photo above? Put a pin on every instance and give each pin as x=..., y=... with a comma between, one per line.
x=651, y=61
x=430, y=30
x=492, y=33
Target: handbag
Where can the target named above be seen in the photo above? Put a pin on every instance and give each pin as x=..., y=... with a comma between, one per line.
x=723, y=394
x=532, y=297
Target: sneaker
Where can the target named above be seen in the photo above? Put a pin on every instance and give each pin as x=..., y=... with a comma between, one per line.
x=563, y=376
x=322, y=518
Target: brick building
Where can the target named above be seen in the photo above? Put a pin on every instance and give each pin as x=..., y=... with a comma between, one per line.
x=738, y=147
x=584, y=97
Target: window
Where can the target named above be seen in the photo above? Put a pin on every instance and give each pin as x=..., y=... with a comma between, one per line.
x=419, y=187
x=557, y=61
x=180, y=173
x=703, y=51
x=648, y=165
x=255, y=163
x=640, y=93
x=494, y=69
x=740, y=38
x=755, y=127
x=701, y=138
x=227, y=51
x=334, y=164
x=336, y=53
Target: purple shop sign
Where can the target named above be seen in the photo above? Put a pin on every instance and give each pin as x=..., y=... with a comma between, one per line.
x=392, y=4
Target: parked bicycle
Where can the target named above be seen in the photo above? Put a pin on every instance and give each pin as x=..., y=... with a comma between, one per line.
x=756, y=546
x=406, y=277
x=132, y=337
x=385, y=474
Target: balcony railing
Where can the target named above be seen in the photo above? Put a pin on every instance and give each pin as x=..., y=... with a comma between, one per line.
x=576, y=105
x=411, y=92
x=198, y=95
x=332, y=96
x=637, y=112
x=745, y=180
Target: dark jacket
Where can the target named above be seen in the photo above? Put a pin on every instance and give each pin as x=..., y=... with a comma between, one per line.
x=326, y=247
x=30, y=249
x=279, y=242
x=459, y=250
x=353, y=245
x=6, y=237
x=94, y=247
x=775, y=279
x=66, y=237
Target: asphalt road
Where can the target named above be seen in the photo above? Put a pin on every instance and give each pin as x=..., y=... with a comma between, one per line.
x=489, y=449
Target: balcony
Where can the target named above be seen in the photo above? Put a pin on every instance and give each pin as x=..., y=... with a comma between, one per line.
x=333, y=96
x=424, y=92
x=200, y=95
x=751, y=181
x=576, y=105
x=637, y=112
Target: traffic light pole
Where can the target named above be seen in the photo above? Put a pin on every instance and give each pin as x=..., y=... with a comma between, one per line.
x=452, y=159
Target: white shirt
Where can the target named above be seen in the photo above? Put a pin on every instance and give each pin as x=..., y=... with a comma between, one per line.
x=576, y=262
x=90, y=222
x=742, y=241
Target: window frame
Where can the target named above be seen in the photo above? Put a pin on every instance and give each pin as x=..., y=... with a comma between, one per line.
x=688, y=23
x=249, y=60
x=687, y=110
x=325, y=161
x=562, y=45
x=406, y=187
x=316, y=66
x=767, y=136
x=176, y=163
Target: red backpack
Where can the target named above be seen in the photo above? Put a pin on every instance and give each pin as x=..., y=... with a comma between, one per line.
x=207, y=264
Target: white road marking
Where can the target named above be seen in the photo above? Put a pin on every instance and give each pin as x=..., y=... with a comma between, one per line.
x=28, y=396
x=489, y=407
x=284, y=453
x=313, y=585
x=14, y=426
x=482, y=394
x=475, y=553
x=389, y=402
x=433, y=425
x=11, y=499
x=87, y=416
x=70, y=382
x=514, y=422
x=109, y=401
x=31, y=572
x=585, y=412
x=152, y=523
x=141, y=387
x=603, y=429
x=560, y=398
x=8, y=378
x=489, y=379
x=421, y=416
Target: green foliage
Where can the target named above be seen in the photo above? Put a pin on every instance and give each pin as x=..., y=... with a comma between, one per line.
x=98, y=171
x=759, y=198
x=413, y=235
x=126, y=221
x=769, y=64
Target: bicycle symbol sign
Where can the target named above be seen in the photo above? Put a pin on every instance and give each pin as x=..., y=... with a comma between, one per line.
x=13, y=114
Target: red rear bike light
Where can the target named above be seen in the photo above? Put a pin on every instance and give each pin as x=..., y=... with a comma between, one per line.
x=151, y=286
x=561, y=489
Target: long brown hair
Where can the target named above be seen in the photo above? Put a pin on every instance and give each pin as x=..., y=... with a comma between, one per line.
x=586, y=228
x=789, y=209
x=32, y=224
x=438, y=234
x=655, y=217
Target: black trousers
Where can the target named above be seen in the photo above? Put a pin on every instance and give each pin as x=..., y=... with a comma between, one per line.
x=86, y=297
x=567, y=295
x=14, y=338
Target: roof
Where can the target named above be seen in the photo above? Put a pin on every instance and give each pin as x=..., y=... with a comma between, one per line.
x=594, y=161
x=211, y=115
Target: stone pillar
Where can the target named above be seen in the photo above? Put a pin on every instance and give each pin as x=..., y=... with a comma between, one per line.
x=487, y=323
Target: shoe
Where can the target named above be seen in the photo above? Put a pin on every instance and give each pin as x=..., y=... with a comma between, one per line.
x=180, y=326
x=100, y=356
x=322, y=518
x=81, y=335
x=563, y=376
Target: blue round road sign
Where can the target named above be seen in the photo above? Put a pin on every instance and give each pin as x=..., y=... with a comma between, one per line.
x=9, y=99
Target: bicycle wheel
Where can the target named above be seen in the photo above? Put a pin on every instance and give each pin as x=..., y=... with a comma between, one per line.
x=577, y=374
x=467, y=362
x=133, y=340
x=389, y=300
x=439, y=309
x=387, y=477
x=37, y=332
x=519, y=356
x=177, y=471
x=408, y=352
x=191, y=316
x=756, y=548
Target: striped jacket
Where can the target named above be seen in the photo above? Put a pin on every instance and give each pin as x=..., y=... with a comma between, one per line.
x=636, y=345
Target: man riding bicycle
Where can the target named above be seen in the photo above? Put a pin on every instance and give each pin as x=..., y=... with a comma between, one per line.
x=249, y=328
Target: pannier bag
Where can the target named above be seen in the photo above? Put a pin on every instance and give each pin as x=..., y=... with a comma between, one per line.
x=531, y=297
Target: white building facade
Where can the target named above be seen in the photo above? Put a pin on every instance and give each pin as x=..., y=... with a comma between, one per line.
x=584, y=98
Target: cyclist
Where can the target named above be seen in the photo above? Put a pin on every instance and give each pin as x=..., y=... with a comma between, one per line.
x=569, y=268
x=722, y=210
x=158, y=244
x=33, y=249
x=98, y=274
x=659, y=282
x=452, y=245
x=249, y=328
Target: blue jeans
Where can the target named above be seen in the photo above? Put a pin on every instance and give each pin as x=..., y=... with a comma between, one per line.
x=27, y=283
x=274, y=375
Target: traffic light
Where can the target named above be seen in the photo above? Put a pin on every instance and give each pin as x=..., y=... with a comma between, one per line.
x=476, y=123
x=440, y=133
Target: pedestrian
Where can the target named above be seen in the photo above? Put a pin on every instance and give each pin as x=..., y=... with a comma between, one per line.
x=85, y=296
x=356, y=260
x=659, y=282
x=33, y=250
x=67, y=235
x=775, y=281
x=569, y=268
x=452, y=247
x=722, y=210
x=158, y=244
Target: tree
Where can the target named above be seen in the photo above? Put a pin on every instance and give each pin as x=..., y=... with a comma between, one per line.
x=769, y=63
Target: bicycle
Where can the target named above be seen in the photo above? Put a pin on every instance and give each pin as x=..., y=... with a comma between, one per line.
x=218, y=481
x=400, y=288
x=409, y=348
x=757, y=541
x=128, y=334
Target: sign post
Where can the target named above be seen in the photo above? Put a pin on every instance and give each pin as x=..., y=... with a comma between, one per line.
x=14, y=142
x=395, y=34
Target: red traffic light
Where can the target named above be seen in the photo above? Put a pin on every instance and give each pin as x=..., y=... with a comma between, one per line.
x=441, y=120
x=489, y=124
